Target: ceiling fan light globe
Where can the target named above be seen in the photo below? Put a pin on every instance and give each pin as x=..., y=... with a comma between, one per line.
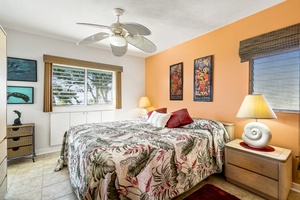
x=118, y=41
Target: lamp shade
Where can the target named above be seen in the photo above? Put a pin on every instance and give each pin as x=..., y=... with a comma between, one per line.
x=118, y=41
x=255, y=106
x=144, y=102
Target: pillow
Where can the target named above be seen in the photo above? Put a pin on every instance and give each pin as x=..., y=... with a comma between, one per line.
x=158, y=119
x=160, y=110
x=179, y=118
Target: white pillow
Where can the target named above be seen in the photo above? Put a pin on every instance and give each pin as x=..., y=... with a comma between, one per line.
x=158, y=119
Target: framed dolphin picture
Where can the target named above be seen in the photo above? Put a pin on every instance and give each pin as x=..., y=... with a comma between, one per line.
x=19, y=69
x=20, y=95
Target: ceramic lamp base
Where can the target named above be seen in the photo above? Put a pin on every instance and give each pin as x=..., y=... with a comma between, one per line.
x=257, y=135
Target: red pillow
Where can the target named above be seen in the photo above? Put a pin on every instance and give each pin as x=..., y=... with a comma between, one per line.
x=179, y=118
x=160, y=110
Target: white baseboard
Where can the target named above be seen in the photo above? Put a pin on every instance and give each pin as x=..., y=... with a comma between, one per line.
x=48, y=150
x=295, y=187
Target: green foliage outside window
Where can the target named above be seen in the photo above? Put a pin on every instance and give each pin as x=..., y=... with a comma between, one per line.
x=81, y=86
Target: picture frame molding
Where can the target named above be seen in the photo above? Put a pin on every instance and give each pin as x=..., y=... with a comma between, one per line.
x=14, y=89
x=203, y=79
x=21, y=69
x=176, y=84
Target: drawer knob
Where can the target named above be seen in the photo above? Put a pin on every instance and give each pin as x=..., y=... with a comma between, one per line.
x=15, y=148
x=16, y=138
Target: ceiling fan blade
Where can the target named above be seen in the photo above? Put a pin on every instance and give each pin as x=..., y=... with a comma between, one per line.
x=141, y=43
x=94, y=25
x=119, y=51
x=121, y=34
x=136, y=29
x=93, y=38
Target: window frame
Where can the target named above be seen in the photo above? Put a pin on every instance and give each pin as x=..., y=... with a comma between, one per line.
x=251, y=63
x=72, y=68
x=49, y=60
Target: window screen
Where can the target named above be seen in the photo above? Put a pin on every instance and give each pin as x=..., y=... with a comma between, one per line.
x=277, y=78
x=68, y=86
x=81, y=86
x=100, y=87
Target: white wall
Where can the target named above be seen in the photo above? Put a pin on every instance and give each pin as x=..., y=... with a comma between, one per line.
x=29, y=46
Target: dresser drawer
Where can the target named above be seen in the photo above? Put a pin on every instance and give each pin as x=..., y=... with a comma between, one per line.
x=20, y=131
x=260, y=183
x=3, y=146
x=257, y=164
x=3, y=188
x=19, y=141
x=3, y=170
x=19, y=151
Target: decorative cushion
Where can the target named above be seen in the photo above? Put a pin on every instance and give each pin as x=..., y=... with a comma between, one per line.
x=158, y=119
x=160, y=110
x=179, y=118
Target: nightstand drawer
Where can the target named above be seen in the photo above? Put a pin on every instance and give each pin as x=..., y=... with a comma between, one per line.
x=253, y=163
x=19, y=141
x=19, y=131
x=19, y=151
x=253, y=180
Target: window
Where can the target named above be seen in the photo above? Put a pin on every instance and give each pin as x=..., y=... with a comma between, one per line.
x=79, y=86
x=277, y=78
x=99, y=87
x=90, y=84
x=68, y=86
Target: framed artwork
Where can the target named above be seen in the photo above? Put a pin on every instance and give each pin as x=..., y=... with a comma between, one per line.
x=176, y=81
x=20, y=95
x=203, y=71
x=19, y=69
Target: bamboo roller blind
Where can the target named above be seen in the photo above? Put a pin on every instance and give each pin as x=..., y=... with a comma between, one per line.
x=278, y=41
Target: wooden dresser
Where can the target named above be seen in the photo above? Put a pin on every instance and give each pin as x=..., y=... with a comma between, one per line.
x=268, y=174
x=20, y=141
x=3, y=143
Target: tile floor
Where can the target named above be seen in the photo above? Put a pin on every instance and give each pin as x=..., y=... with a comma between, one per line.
x=36, y=180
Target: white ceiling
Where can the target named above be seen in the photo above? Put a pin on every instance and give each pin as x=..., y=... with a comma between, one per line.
x=171, y=21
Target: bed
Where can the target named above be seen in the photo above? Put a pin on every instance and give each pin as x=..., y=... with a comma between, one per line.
x=133, y=159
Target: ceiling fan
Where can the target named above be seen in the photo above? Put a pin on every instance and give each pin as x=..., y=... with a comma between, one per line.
x=120, y=34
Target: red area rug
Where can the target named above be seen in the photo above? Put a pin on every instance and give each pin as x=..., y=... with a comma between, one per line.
x=211, y=192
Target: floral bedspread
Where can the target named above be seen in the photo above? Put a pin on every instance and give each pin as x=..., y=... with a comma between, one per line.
x=135, y=160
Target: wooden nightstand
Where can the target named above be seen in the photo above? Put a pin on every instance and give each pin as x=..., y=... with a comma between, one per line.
x=20, y=141
x=268, y=174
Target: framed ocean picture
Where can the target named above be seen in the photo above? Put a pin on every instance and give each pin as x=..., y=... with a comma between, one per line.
x=19, y=69
x=20, y=95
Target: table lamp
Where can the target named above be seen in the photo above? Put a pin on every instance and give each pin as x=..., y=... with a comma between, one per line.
x=256, y=134
x=144, y=103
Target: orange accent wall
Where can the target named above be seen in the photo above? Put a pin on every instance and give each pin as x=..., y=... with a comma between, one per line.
x=230, y=76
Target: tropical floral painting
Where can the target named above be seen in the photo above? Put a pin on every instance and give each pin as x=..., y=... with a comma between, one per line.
x=203, y=69
x=135, y=160
x=176, y=81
